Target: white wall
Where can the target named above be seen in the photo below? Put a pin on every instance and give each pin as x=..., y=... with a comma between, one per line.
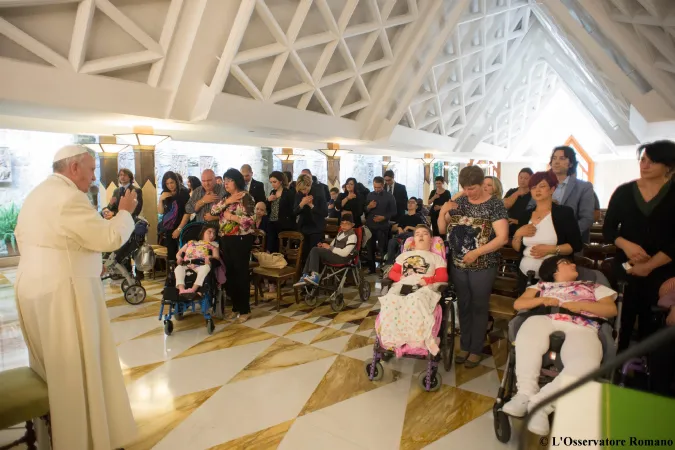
x=610, y=174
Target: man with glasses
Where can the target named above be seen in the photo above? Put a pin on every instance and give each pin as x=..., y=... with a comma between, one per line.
x=380, y=208
x=399, y=192
x=204, y=197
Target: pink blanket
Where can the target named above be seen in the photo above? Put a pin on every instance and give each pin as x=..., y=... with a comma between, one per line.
x=420, y=351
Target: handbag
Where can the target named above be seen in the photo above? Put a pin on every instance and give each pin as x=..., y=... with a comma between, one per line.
x=271, y=260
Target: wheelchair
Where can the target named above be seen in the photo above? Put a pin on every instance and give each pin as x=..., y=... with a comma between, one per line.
x=430, y=380
x=551, y=364
x=205, y=297
x=334, y=276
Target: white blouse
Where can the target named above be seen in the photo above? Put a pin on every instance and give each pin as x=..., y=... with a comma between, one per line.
x=545, y=235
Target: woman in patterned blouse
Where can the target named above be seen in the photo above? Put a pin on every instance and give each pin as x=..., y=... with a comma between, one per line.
x=237, y=222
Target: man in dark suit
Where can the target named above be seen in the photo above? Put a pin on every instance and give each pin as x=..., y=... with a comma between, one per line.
x=126, y=182
x=253, y=187
x=316, y=182
x=399, y=192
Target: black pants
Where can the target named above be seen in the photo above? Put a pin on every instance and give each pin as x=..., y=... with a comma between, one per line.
x=522, y=282
x=434, y=223
x=236, y=251
x=473, y=300
x=171, y=245
x=322, y=255
x=639, y=297
x=272, y=242
x=662, y=370
x=379, y=239
x=310, y=241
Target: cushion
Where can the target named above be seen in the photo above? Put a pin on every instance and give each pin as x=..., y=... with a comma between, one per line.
x=24, y=396
x=275, y=273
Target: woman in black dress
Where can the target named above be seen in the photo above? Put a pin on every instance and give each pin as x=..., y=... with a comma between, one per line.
x=280, y=204
x=172, y=207
x=437, y=198
x=640, y=221
x=351, y=200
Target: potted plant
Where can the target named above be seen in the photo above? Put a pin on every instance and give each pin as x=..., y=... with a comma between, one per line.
x=8, y=217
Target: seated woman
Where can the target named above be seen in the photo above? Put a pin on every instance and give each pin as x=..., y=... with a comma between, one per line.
x=408, y=319
x=581, y=352
x=205, y=248
x=404, y=229
x=339, y=251
x=549, y=230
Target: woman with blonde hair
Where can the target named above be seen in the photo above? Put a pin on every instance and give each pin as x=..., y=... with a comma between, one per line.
x=311, y=209
x=493, y=186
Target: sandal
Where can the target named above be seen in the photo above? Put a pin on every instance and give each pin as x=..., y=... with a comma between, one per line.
x=230, y=315
x=243, y=318
x=461, y=357
x=469, y=364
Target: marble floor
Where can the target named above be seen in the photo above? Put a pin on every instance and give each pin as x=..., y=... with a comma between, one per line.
x=292, y=379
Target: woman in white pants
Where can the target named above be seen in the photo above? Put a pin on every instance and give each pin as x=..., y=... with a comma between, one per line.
x=581, y=352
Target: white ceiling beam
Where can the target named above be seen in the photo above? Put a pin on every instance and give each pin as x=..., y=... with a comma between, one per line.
x=451, y=20
x=129, y=26
x=165, y=40
x=13, y=3
x=631, y=51
x=119, y=62
x=384, y=90
x=33, y=45
x=594, y=51
x=78, y=43
x=217, y=82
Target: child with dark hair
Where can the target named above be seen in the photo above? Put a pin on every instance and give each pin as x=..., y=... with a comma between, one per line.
x=581, y=352
x=203, y=249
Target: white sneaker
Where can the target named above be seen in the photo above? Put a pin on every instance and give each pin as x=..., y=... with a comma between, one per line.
x=539, y=424
x=517, y=406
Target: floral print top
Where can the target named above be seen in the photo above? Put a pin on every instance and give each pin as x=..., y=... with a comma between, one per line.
x=244, y=209
x=574, y=291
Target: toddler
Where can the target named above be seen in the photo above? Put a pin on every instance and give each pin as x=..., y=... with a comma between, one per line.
x=196, y=250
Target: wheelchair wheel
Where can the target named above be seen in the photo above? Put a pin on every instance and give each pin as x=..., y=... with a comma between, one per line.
x=135, y=294
x=448, y=340
x=436, y=381
x=337, y=302
x=364, y=290
x=125, y=284
x=168, y=327
x=378, y=370
x=502, y=426
x=311, y=298
x=210, y=326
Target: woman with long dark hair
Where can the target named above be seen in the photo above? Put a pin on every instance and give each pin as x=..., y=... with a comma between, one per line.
x=437, y=198
x=350, y=200
x=237, y=222
x=280, y=204
x=193, y=183
x=171, y=205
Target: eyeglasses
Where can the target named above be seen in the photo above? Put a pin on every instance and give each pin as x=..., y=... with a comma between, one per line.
x=564, y=262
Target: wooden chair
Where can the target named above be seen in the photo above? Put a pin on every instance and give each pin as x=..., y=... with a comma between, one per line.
x=594, y=252
x=290, y=245
x=160, y=255
x=24, y=396
x=259, y=241
x=331, y=228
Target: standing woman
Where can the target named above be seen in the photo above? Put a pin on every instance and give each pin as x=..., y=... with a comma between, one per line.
x=351, y=201
x=478, y=228
x=237, y=221
x=549, y=230
x=280, y=203
x=172, y=205
x=193, y=183
x=437, y=198
x=493, y=186
x=640, y=221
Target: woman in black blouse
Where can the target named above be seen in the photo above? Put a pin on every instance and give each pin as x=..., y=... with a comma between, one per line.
x=280, y=204
x=640, y=221
x=437, y=198
x=548, y=230
x=350, y=200
x=172, y=206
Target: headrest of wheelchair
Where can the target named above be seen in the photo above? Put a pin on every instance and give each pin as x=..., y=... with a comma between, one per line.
x=437, y=246
x=586, y=274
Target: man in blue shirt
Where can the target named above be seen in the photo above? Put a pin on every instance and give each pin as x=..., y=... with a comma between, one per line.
x=380, y=208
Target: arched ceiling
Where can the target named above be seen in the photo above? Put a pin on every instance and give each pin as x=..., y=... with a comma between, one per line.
x=462, y=77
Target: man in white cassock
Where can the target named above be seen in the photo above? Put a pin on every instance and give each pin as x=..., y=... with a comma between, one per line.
x=62, y=307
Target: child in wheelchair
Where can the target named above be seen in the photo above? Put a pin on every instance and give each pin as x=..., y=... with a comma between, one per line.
x=340, y=251
x=407, y=310
x=584, y=306
x=196, y=255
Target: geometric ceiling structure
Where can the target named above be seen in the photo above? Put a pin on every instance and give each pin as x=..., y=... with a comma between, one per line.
x=455, y=77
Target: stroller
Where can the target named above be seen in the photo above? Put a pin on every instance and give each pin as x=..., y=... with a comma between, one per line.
x=205, y=297
x=116, y=264
x=333, y=277
x=431, y=379
x=551, y=364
